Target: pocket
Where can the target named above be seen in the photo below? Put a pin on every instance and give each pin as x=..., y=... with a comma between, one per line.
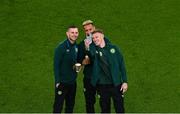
x=118, y=89
x=60, y=87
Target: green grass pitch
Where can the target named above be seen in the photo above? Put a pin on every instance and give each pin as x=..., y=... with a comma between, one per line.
x=147, y=31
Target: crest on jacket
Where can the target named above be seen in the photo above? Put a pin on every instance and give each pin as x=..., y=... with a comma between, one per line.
x=67, y=50
x=112, y=50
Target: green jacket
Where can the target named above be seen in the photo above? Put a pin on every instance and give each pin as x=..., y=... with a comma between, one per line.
x=81, y=55
x=116, y=62
x=64, y=59
x=82, y=52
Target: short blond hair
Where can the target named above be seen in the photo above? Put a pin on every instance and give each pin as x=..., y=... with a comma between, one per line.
x=98, y=31
x=87, y=22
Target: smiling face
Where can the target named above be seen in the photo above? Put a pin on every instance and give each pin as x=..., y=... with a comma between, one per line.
x=72, y=34
x=89, y=28
x=98, y=38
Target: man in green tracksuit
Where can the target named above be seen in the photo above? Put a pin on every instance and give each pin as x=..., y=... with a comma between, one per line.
x=84, y=58
x=109, y=73
x=65, y=74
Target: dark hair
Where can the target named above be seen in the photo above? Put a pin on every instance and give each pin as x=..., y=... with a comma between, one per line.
x=72, y=26
x=97, y=31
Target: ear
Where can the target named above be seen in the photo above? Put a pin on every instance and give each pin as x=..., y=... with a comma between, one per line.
x=67, y=34
x=102, y=35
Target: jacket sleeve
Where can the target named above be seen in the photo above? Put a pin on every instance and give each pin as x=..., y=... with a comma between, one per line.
x=122, y=65
x=58, y=56
x=81, y=53
x=92, y=51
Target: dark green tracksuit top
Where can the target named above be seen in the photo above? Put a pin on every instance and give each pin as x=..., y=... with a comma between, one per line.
x=116, y=64
x=64, y=59
x=81, y=55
